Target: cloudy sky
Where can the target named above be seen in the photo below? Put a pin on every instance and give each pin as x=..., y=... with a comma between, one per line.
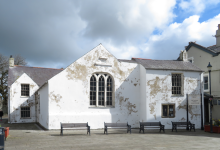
x=54, y=33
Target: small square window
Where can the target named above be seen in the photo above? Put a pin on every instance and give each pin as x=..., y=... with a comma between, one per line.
x=25, y=112
x=24, y=89
x=168, y=110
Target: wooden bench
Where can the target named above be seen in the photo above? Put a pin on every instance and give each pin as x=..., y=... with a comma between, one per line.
x=182, y=124
x=116, y=125
x=151, y=125
x=75, y=126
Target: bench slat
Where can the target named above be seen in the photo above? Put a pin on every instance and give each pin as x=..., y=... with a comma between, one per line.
x=116, y=124
x=73, y=125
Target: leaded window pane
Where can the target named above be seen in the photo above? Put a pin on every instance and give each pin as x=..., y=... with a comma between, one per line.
x=24, y=89
x=165, y=110
x=25, y=112
x=176, y=84
x=101, y=91
x=93, y=90
x=109, y=91
x=101, y=97
x=206, y=83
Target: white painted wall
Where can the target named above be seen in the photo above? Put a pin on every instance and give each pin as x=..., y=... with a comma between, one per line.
x=69, y=92
x=143, y=99
x=44, y=107
x=16, y=100
x=158, y=91
x=202, y=59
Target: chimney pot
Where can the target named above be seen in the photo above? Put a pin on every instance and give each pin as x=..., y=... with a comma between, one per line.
x=11, y=61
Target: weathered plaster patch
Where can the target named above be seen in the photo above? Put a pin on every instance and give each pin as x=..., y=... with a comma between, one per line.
x=124, y=104
x=55, y=97
x=152, y=107
x=32, y=86
x=131, y=107
x=183, y=119
x=77, y=71
x=158, y=85
x=155, y=117
x=135, y=84
x=189, y=110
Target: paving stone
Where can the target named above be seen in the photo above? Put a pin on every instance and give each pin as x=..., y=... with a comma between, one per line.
x=30, y=137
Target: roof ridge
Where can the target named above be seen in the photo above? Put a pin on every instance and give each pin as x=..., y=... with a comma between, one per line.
x=141, y=58
x=37, y=67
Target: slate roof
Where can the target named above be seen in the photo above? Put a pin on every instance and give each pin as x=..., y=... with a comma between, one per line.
x=39, y=75
x=126, y=60
x=167, y=65
x=214, y=48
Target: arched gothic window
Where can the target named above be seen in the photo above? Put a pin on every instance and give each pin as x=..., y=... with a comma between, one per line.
x=101, y=90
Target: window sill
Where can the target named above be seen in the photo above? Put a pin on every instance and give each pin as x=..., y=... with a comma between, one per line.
x=177, y=95
x=26, y=118
x=168, y=117
x=102, y=107
x=24, y=96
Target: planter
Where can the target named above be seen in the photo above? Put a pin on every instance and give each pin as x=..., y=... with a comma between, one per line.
x=6, y=132
x=215, y=129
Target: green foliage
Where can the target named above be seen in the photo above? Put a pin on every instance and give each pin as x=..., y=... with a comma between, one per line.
x=217, y=122
x=4, y=65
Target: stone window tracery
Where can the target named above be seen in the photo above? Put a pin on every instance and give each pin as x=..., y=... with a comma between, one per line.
x=101, y=90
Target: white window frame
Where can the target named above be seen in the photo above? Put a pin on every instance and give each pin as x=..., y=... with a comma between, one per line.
x=217, y=102
x=205, y=90
x=28, y=89
x=105, y=92
x=182, y=84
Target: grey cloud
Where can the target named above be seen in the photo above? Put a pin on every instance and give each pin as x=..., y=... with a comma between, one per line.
x=53, y=33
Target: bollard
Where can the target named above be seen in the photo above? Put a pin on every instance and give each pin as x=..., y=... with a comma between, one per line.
x=2, y=138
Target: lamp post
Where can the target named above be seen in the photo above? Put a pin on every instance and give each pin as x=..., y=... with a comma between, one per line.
x=210, y=99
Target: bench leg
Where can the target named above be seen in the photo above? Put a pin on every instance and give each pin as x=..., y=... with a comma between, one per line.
x=141, y=128
x=61, y=131
x=106, y=130
x=88, y=130
x=129, y=129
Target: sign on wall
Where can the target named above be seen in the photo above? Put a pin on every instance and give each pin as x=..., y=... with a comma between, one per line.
x=194, y=99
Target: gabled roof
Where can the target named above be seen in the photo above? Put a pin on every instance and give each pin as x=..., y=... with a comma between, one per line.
x=37, y=74
x=167, y=65
x=213, y=50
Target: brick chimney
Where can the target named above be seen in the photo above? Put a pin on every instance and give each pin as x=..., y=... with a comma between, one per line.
x=218, y=36
x=11, y=61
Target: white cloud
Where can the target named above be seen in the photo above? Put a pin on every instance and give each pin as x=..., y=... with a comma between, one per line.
x=196, y=6
x=177, y=35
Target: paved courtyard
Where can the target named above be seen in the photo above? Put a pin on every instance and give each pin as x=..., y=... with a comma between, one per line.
x=31, y=137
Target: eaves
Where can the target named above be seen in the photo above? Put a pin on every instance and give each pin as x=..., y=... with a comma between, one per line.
x=201, y=48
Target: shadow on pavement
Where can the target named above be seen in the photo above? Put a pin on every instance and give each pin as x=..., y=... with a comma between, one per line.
x=18, y=126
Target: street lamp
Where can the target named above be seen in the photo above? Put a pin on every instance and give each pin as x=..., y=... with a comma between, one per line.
x=210, y=99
